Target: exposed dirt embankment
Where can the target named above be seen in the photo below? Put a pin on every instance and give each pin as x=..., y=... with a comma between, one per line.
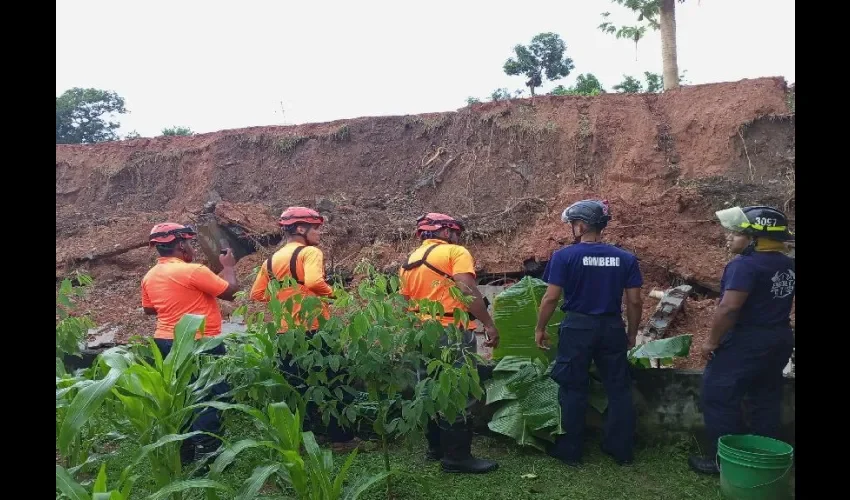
x=665, y=162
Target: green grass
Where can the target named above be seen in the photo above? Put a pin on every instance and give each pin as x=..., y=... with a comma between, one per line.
x=660, y=472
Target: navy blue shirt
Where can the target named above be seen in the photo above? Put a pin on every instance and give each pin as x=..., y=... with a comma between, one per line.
x=769, y=279
x=593, y=276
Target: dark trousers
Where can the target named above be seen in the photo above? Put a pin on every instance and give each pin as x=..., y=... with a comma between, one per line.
x=294, y=375
x=748, y=362
x=601, y=339
x=206, y=419
x=463, y=420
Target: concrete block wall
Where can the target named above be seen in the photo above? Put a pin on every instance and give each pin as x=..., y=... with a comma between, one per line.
x=668, y=404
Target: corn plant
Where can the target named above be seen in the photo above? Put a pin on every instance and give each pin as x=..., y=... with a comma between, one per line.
x=158, y=398
x=76, y=452
x=155, y=399
x=73, y=490
x=70, y=488
x=281, y=439
x=79, y=399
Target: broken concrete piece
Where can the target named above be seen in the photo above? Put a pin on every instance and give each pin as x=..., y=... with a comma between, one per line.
x=102, y=337
x=670, y=305
x=657, y=294
x=232, y=327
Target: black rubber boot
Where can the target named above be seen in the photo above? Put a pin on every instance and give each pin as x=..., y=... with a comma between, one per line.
x=457, y=449
x=552, y=451
x=187, y=452
x=432, y=434
x=704, y=465
x=625, y=462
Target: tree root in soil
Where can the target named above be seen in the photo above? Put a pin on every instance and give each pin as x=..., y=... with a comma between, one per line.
x=440, y=150
x=436, y=177
x=500, y=213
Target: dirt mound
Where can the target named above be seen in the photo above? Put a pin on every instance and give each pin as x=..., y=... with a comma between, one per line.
x=665, y=162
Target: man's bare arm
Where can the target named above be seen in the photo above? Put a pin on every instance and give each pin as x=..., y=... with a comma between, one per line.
x=634, y=312
x=466, y=282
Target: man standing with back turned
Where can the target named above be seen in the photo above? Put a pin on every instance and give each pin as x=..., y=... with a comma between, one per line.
x=593, y=276
x=430, y=272
x=175, y=287
x=301, y=259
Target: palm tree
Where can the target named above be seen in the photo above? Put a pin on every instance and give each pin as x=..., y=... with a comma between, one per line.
x=656, y=14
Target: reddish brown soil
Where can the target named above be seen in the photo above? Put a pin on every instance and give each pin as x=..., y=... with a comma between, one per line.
x=665, y=162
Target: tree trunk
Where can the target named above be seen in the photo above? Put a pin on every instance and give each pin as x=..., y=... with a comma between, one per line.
x=667, y=20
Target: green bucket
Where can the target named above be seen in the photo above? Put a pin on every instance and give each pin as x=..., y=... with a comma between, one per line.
x=754, y=467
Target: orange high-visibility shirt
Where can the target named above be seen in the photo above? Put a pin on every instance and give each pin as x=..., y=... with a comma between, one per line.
x=174, y=288
x=423, y=283
x=309, y=268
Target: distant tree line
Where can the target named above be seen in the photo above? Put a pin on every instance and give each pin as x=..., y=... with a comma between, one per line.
x=88, y=116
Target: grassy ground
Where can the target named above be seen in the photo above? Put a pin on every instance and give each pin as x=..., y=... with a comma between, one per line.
x=659, y=473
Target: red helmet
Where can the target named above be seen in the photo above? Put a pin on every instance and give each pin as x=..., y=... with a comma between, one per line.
x=435, y=222
x=294, y=215
x=169, y=231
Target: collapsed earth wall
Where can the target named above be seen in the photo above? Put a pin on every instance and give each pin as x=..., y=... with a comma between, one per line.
x=664, y=161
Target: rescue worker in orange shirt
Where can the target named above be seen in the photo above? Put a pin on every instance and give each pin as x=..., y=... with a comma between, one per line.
x=302, y=260
x=431, y=270
x=175, y=287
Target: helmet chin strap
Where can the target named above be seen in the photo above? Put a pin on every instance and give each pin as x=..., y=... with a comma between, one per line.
x=182, y=244
x=576, y=237
x=432, y=235
x=751, y=247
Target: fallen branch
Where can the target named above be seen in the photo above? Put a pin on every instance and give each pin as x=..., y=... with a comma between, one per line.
x=106, y=255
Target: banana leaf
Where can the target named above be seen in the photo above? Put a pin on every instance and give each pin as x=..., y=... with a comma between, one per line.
x=527, y=398
x=540, y=405
x=498, y=390
x=510, y=421
x=515, y=314
x=663, y=349
x=529, y=412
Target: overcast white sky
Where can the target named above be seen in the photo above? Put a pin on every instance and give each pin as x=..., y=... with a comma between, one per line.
x=215, y=64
